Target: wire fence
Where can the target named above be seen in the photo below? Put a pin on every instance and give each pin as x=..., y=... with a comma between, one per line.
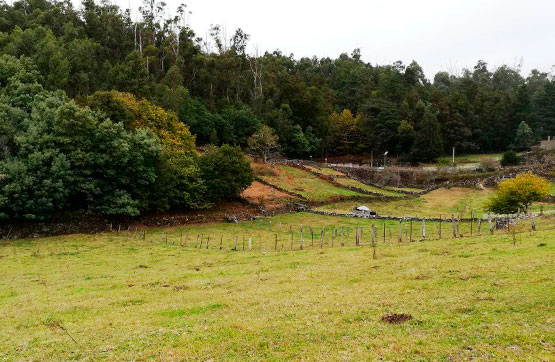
x=262, y=236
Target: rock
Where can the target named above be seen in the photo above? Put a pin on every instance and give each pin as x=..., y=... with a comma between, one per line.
x=231, y=219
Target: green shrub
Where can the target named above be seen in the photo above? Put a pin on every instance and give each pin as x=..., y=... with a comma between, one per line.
x=510, y=158
x=226, y=172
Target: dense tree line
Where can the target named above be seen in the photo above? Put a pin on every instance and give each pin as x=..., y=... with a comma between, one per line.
x=91, y=99
x=224, y=95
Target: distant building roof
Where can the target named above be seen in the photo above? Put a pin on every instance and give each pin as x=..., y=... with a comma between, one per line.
x=548, y=145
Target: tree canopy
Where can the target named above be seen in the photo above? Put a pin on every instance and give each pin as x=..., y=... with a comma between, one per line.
x=224, y=94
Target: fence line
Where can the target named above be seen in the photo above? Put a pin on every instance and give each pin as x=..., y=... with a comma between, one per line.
x=331, y=236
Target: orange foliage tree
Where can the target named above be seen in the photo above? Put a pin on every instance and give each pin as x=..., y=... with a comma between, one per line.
x=179, y=181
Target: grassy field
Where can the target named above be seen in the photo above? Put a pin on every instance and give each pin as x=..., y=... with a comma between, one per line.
x=470, y=158
x=440, y=201
x=116, y=297
x=305, y=183
x=342, y=179
x=443, y=201
x=406, y=189
x=354, y=183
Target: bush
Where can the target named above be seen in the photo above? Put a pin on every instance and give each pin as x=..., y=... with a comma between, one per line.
x=488, y=164
x=519, y=192
x=510, y=158
x=388, y=178
x=225, y=171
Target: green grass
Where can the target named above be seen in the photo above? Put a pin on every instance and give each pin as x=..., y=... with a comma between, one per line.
x=121, y=298
x=306, y=184
x=432, y=204
x=553, y=188
x=325, y=171
x=406, y=189
x=443, y=202
x=469, y=158
x=354, y=183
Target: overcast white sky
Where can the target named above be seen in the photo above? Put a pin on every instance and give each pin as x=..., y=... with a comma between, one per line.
x=439, y=34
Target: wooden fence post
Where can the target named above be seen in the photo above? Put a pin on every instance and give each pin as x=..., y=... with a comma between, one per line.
x=221, y=242
x=423, y=229
x=235, y=247
x=471, y=222
x=342, y=236
x=373, y=241
x=400, y=237
x=275, y=247
x=207, y=242
x=410, y=234
x=439, y=230
x=250, y=244
x=454, y=226
x=384, y=232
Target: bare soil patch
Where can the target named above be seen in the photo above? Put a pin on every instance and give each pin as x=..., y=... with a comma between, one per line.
x=393, y=318
x=267, y=197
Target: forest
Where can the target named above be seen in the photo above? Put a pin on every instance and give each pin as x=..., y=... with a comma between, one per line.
x=105, y=113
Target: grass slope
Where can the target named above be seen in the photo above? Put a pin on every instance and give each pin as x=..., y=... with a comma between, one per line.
x=306, y=184
x=354, y=183
x=125, y=299
x=325, y=171
x=342, y=179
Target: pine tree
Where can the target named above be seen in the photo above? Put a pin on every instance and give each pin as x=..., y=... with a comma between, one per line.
x=524, y=136
x=428, y=143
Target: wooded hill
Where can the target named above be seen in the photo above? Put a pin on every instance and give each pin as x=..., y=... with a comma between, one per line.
x=55, y=58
